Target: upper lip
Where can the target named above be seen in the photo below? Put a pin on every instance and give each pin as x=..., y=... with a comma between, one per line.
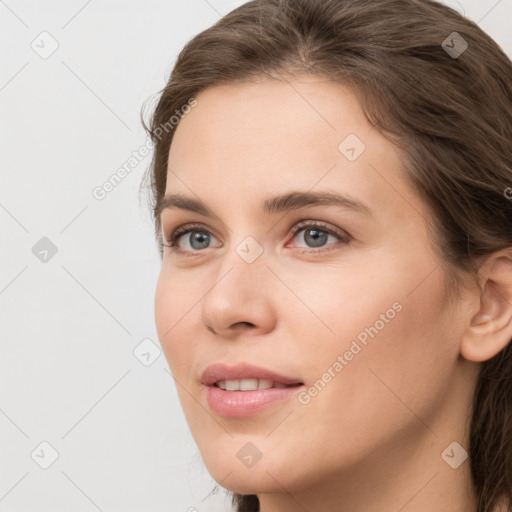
x=219, y=371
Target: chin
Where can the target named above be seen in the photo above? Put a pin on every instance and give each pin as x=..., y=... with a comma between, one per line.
x=248, y=481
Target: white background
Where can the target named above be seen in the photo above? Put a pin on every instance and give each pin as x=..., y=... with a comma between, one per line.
x=69, y=326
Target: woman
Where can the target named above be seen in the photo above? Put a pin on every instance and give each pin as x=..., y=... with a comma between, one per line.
x=334, y=217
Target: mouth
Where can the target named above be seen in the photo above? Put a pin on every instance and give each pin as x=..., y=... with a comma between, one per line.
x=252, y=384
x=246, y=390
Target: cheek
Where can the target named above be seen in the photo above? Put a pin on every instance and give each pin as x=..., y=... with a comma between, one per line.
x=163, y=310
x=334, y=306
x=173, y=305
x=386, y=343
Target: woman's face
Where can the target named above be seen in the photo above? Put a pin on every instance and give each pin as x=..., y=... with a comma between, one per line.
x=351, y=307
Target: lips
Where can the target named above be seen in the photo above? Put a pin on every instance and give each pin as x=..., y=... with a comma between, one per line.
x=246, y=390
x=220, y=372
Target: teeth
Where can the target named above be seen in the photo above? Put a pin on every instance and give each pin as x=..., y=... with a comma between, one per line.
x=264, y=384
x=248, y=384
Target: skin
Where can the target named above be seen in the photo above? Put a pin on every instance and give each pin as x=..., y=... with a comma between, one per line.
x=372, y=439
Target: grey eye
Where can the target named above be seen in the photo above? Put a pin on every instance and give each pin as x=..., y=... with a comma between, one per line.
x=315, y=236
x=198, y=239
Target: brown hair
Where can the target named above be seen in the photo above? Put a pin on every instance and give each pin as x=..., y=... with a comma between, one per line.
x=450, y=114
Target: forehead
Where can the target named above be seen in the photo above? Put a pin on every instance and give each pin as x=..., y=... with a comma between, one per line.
x=251, y=139
x=266, y=115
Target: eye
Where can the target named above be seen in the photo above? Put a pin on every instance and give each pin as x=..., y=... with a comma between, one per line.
x=198, y=238
x=316, y=234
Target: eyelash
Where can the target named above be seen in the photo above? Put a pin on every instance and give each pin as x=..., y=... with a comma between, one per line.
x=172, y=241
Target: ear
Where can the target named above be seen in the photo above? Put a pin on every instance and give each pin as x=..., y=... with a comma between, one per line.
x=490, y=328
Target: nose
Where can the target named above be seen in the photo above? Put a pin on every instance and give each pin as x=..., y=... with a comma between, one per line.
x=240, y=298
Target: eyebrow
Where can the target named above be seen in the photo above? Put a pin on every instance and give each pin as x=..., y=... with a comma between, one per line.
x=286, y=202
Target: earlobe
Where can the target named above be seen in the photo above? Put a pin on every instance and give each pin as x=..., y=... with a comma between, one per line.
x=489, y=330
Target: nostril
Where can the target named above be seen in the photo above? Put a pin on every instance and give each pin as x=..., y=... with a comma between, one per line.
x=248, y=324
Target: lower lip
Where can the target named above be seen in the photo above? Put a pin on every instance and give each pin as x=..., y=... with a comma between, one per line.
x=246, y=403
